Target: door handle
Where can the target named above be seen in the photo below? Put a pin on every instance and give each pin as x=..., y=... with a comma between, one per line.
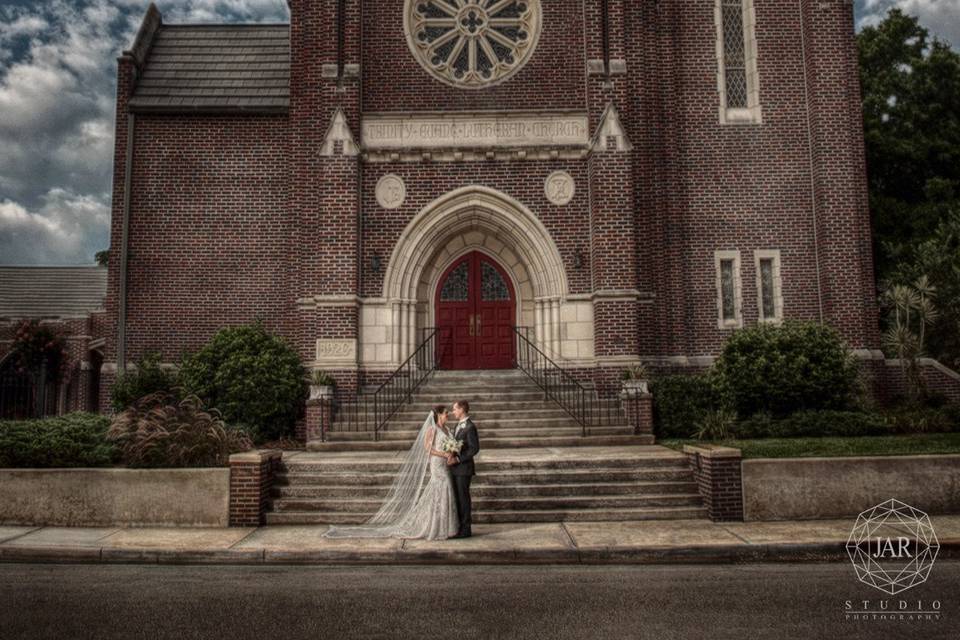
x=478, y=316
x=471, y=325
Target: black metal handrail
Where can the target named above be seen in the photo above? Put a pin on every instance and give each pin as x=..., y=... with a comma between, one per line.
x=370, y=412
x=583, y=405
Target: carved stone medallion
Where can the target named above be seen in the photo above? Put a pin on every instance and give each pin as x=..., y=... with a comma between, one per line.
x=391, y=191
x=559, y=187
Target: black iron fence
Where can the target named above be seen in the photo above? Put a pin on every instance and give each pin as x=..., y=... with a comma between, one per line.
x=370, y=412
x=583, y=404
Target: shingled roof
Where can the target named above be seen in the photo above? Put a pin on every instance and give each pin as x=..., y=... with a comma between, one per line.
x=41, y=291
x=212, y=68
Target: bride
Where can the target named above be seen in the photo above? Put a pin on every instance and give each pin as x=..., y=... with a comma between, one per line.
x=412, y=510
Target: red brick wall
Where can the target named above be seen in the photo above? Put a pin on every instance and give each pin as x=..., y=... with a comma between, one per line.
x=234, y=217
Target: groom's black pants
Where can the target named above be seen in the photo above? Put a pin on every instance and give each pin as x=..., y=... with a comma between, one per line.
x=462, y=486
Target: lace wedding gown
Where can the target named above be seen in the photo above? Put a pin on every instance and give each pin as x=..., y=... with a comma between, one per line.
x=420, y=502
x=435, y=514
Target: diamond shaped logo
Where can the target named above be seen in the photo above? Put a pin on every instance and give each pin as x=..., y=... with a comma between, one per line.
x=892, y=546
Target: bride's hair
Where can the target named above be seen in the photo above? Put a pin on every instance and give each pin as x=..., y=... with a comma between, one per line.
x=438, y=411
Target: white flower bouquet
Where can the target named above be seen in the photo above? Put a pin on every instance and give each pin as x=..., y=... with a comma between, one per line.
x=451, y=445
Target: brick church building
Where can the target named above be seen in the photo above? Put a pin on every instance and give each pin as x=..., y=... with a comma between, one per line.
x=618, y=181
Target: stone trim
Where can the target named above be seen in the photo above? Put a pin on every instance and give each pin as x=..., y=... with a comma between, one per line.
x=774, y=255
x=717, y=472
x=752, y=114
x=251, y=477
x=737, y=321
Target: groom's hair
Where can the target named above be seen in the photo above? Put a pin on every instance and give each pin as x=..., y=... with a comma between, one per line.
x=464, y=405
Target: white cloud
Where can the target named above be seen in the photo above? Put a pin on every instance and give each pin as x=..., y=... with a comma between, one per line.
x=67, y=228
x=57, y=101
x=941, y=17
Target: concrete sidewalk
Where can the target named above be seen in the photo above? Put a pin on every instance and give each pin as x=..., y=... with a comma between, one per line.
x=651, y=541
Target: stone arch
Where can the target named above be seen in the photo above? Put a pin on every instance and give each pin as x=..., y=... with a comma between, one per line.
x=466, y=219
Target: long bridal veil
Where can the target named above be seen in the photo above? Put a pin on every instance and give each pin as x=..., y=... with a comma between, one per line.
x=402, y=496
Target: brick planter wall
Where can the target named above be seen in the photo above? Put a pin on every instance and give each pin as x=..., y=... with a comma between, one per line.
x=718, y=475
x=251, y=476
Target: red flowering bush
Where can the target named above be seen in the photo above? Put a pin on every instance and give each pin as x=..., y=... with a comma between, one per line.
x=33, y=345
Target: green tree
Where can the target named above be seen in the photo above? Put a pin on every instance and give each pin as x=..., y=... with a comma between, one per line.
x=911, y=112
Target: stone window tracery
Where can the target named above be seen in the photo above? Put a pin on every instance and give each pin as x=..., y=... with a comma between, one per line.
x=472, y=43
x=738, y=80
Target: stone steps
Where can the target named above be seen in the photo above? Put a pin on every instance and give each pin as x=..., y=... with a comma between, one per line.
x=490, y=443
x=532, y=478
x=490, y=517
x=485, y=503
x=478, y=489
x=550, y=485
x=408, y=435
x=365, y=465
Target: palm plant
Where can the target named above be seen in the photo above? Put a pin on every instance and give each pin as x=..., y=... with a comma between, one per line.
x=911, y=311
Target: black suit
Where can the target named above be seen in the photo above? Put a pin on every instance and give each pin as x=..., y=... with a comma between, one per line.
x=464, y=471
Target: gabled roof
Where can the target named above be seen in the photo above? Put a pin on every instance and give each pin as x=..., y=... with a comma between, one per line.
x=211, y=68
x=36, y=292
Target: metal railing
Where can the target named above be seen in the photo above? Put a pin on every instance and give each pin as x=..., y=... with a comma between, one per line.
x=584, y=405
x=371, y=412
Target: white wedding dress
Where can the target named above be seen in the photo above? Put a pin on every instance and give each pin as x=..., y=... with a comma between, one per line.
x=434, y=516
x=412, y=509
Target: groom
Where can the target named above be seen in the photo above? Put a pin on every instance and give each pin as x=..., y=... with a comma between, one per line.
x=461, y=465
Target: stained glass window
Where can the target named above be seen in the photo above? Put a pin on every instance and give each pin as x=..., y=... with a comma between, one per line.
x=457, y=286
x=727, y=290
x=767, y=292
x=492, y=286
x=734, y=53
x=473, y=43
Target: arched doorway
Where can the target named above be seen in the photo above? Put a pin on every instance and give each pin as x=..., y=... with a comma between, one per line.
x=475, y=314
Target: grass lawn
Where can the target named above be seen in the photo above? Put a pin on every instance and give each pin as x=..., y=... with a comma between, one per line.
x=859, y=446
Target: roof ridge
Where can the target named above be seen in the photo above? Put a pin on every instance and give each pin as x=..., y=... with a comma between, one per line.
x=223, y=25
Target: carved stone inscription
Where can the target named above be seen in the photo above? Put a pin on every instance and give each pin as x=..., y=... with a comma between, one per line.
x=462, y=130
x=336, y=351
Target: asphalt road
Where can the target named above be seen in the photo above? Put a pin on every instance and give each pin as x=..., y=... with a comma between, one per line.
x=749, y=601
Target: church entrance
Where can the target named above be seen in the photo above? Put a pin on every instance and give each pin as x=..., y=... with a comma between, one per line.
x=476, y=311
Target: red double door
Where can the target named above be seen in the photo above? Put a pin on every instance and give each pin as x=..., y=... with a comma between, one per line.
x=476, y=308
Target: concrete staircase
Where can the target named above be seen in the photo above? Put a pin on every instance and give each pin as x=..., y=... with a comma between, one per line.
x=521, y=485
x=510, y=411
x=534, y=465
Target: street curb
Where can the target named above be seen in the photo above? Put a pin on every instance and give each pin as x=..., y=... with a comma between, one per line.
x=698, y=554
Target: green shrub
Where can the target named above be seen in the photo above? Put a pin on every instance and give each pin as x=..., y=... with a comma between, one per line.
x=796, y=366
x=162, y=430
x=147, y=378
x=716, y=425
x=923, y=419
x=681, y=402
x=72, y=440
x=813, y=424
x=254, y=378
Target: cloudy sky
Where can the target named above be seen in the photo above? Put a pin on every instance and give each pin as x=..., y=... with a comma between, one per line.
x=57, y=75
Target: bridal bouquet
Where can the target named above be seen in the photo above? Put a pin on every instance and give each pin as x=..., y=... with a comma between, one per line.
x=451, y=445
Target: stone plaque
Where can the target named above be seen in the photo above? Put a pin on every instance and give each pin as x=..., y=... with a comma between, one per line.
x=445, y=131
x=559, y=187
x=336, y=352
x=391, y=191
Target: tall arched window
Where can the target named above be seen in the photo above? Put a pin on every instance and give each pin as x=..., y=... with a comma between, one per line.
x=737, y=78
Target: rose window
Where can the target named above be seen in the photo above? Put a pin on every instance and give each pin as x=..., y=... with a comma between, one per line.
x=472, y=43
